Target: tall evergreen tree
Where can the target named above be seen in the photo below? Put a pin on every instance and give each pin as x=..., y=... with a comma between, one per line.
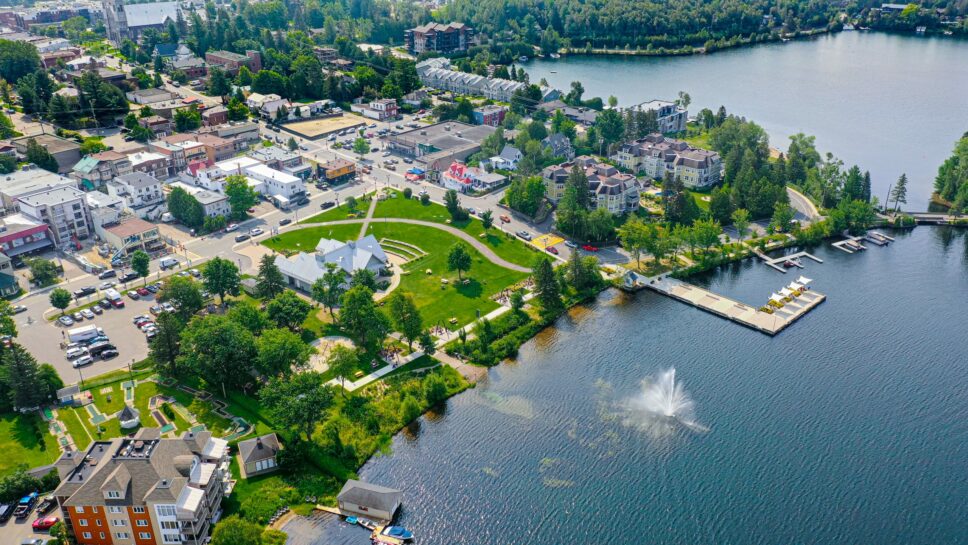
x=546, y=287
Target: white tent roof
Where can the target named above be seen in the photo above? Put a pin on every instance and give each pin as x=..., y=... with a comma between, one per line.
x=804, y=280
x=795, y=286
x=786, y=292
x=776, y=297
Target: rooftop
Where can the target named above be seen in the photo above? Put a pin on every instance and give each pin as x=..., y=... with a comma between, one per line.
x=53, y=196
x=150, y=13
x=259, y=448
x=53, y=143
x=273, y=153
x=228, y=55
x=24, y=181
x=370, y=495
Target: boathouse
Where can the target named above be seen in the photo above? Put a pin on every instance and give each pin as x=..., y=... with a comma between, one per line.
x=369, y=500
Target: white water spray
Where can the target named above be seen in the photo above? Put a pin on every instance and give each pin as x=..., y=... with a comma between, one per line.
x=663, y=406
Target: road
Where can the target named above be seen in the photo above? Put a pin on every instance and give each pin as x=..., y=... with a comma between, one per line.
x=803, y=206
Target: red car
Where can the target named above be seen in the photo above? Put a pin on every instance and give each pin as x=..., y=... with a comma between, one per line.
x=143, y=292
x=505, y=219
x=552, y=250
x=589, y=248
x=45, y=523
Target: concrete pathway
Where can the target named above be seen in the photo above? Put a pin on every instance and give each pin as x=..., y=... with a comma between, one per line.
x=378, y=374
x=369, y=216
x=476, y=244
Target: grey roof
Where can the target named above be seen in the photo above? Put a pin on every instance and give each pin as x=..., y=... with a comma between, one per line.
x=349, y=256
x=127, y=413
x=258, y=449
x=189, y=62
x=156, y=13
x=51, y=197
x=510, y=153
x=273, y=153
x=23, y=182
x=208, y=197
x=370, y=495
x=138, y=180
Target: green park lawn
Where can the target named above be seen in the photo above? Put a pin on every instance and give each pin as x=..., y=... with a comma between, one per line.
x=505, y=245
x=305, y=240
x=25, y=441
x=336, y=213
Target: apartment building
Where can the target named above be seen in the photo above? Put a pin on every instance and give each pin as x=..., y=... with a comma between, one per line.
x=139, y=190
x=231, y=62
x=608, y=188
x=437, y=73
x=439, y=38
x=154, y=164
x=144, y=490
x=63, y=209
x=97, y=169
x=656, y=156
x=671, y=116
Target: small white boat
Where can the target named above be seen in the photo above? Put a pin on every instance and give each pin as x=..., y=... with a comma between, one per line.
x=555, y=56
x=366, y=523
x=523, y=58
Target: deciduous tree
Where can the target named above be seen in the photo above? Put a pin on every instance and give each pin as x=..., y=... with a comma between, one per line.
x=221, y=276
x=298, y=402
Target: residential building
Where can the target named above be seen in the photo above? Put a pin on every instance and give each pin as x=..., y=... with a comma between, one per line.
x=140, y=191
x=492, y=114
x=161, y=126
x=167, y=108
x=436, y=73
x=656, y=156
x=216, y=147
x=231, y=62
x=258, y=456
x=28, y=181
x=97, y=169
x=131, y=235
x=211, y=175
x=180, y=153
x=508, y=158
x=416, y=98
x=303, y=269
x=213, y=203
x=608, y=188
x=582, y=115
x=106, y=210
x=282, y=159
x=267, y=105
x=381, y=110
x=671, y=116
x=439, y=38
x=52, y=59
x=9, y=285
x=215, y=116
x=276, y=182
x=325, y=54
x=241, y=133
x=63, y=209
x=66, y=152
x=130, y=21
x=369, y=500
x=153, y=164
x=20, y=235
x=144, y=489
x=559, y=145
x=465, y=179
x=150, y=95
x=337, y=171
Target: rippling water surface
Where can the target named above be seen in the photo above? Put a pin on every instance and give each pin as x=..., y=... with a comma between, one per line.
x=849, y=427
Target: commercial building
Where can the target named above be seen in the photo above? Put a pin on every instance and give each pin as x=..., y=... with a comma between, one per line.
x=439, y=38
x=275, y=182
x=66, y=152
x=465, y=179
x=440, y=144
x=63, y=209
x=26, y=182
x=131, y=235
x=241, y=133
x=150, y=95
x=337, y=171
x=50, y=60
x=231, y=62
x=436, y=73
x=130, y=21
x=656, y=156
x=303, y=269
x=20, y=235
x=144, y=490
x=608, y=188
x=671, y=116
x=381, y=110
x=284, y=160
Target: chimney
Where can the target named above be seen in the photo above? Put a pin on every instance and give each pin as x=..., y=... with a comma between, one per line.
x=258, y=442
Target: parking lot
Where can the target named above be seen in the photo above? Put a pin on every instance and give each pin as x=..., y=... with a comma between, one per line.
x=14, y=532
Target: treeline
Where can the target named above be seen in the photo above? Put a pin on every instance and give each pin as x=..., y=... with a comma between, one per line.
x=951, y=184
x=934, y=15
x=636, y=23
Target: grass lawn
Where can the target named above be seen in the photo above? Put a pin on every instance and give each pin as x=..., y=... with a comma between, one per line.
x=305, y=240
x=698, y=197
x=336, y=213
x=77, y=431
x=25, y=440
x=439, y=302
x=505, y=245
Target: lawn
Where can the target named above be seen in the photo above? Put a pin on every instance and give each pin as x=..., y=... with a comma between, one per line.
x=336, y=213
x=439, y=302
x=75, y=429
x=505, y=245
x=25, y=441
x=698, y=197
x=305, y=240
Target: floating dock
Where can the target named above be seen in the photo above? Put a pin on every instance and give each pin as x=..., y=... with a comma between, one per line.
x=850, y=245
x=743, y=314
x=777, y=262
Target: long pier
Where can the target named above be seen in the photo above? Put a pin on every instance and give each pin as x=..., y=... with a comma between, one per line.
x=741, y=313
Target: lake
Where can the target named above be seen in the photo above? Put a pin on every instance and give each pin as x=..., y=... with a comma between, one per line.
x=849, y=427
x=889, y=103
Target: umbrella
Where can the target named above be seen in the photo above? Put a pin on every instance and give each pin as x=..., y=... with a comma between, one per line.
x=804, y=280
x=786, y=292
x=776, y=297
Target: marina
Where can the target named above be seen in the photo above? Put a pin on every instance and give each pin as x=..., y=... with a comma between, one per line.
x=785, y=262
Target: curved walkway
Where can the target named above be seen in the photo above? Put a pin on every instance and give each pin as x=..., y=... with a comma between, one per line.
x=476, y=244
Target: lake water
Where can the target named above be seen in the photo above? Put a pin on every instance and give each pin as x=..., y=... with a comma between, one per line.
x=889, y=103
x=849, y=427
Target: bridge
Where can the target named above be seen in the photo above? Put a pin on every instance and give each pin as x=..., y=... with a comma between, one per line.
x=934, y=218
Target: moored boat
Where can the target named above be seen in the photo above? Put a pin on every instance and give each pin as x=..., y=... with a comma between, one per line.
x=398, y=532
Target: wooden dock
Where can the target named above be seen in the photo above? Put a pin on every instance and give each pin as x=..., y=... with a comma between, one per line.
x=743, y=314
x=777, y=262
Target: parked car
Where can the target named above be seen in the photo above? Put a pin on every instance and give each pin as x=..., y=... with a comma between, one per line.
x=589, y=248
x=99, y=348
x=524, y=235
x=156, y=309
x=284, y=221
x=106, y=285
x=255, y=231
x=88, y=290
x=75, y=353
x=505, y=219
x=134, y=295
x=47, y=505
x=96, y=309
x=82, y=361
x=108, y=354
x=110, y=273
x=152, y=288
x=570, y=244
x=232, y=227
x=128, y=277
x=17, y=309
x=327, y=205
x=168, y=307
x=87, y=314
x=94, y=340
x=140, y=318
x=78, y=317
x=104, y=303
x=143, y=292
x=44, y=523
x=66, y=321
x=6, y=511
x=552, y=250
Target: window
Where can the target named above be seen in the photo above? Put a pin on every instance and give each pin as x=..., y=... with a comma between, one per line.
x=144, y=535
x=171, y=538
x=165, y=510
x=98, y=522
x=138, y=509
x=94, y=509
x=141, y=522
x=101, y=534
x=82, y=522
x=169, y=525
x=122, y=535
x=114, y=509
x=118, y=522
x=78, y=509
x=87, y=535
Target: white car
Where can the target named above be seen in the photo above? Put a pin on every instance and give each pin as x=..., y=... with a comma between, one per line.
x=232, y=227
x=82, y=361
x=106, y=285
x=168, y=307
x=255, y=232
x=75, y=352
x=87, y=314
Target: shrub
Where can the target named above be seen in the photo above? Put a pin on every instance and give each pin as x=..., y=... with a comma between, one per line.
x=407, y=193
x=168, y=411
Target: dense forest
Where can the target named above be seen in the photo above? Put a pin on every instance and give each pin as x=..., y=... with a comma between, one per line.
x=951, y=185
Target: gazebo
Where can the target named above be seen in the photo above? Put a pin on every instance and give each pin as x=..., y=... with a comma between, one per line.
x=129, y=417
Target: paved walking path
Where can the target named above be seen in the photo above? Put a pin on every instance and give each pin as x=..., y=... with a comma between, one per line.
x=476, y=244
x=369, y=216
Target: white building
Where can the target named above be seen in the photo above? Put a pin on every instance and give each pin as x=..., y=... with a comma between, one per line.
x=508, y=159
x=656, y=156
x=63, y=209
x=140, y=191
x=671, y=117
x=303, y=269
x=276, y=182
x=436, y=73
x=381, y=110
x=213, y=203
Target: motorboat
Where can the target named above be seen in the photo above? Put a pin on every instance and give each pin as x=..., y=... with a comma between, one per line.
x=523, y=58
x=352, y=520
x=398, y=532
x=366, y=523
x=555, y=56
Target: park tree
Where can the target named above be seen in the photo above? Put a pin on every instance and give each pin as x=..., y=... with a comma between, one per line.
x=280, y=351
x=451, y=202
x=288, y=310
x=434, y=389
x=741, y=221
x=582, y=272
x=241, y=196
x=633, y=235
x=221, y=276
x=546, y=287
x=236, y=531
x=17, y=59
x=720, y=204
x=43, y=272
x=599, y=225
x=405, y=316
x=459, y=259
x=487, y=220
x=782, y=216
x=269, y=282
x=183, y=293
x=219, y=350
x=20, y=375
x=250, y=316
x=60, y=299
x=706, y=233
x=328, y=289
x=186, y=208
x=141, y=263
x=363, y=277
x=343, y=361
x=679, y=206
x=297, y=402
x=165, y=347
x=366, y=324
x=360, y=147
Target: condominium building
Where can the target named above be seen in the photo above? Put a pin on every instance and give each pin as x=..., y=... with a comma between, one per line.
x=608, y=188
x=437, y=73
x=139, y=191
x=656, y=156
x=144, y=490
x=671, y=116
x=63, y=209
x=439, y=38
x=97, y=169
